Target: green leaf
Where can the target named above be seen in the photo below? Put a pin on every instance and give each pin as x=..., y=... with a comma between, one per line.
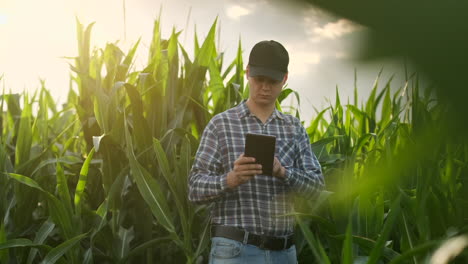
x=45, y=230
x=347, y=253
x=125, y=238
x=359, y=115
x=371, y=101
x=363, y=140
x=18, y=242
x=394, y=212
x=407, y=235
x=421, y=249
x=312, y=129
x=155, y=48
x=208, y=47
x=315, y=246
x=142, y=132
x=70, y=160
x=141, y=248
x=22, y=242
x=57, y=210
x=62, y=188
x=101, y=109
x=42, y=120
x=284, y=94
x=164, y=166
x=386, y=115
x=163, y=162
x=185, y=161
x=23, y=145
x=82, y=182
x=367, y=245
x=55, y=254
x=319, y=147
x=88, y=256
x=3, y=253
x=152, y=194
x=129, y=58
x=27, y=181
x=322, y=223
x=149, y=189
x=204, y=240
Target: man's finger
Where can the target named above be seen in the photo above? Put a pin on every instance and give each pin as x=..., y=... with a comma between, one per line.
x=247, y=167
x=249, y=173
x=244, y=160
x=244, y=167
x=245, y=178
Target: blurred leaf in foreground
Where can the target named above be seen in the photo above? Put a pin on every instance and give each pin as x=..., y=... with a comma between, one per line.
x=432, y=34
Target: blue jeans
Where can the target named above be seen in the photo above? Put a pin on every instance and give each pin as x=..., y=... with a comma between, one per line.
x=228, y=251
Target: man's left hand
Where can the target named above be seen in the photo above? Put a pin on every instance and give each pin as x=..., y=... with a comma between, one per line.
x=278, y=170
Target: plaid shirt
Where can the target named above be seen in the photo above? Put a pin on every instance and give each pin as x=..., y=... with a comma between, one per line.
x=257, y=205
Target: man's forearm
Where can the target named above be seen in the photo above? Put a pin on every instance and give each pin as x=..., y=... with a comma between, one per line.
x=307, y=182
x=205, y=188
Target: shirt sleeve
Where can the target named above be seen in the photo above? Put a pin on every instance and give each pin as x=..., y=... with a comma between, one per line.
x=305, y=176
x=207, y=182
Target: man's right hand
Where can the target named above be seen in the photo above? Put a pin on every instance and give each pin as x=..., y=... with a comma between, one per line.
x=244, y=170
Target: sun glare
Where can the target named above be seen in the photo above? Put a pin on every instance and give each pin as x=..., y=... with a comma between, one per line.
x=3, y=19
x=39, y=37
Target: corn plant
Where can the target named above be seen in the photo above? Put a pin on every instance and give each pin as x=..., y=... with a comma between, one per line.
x=391, y=198
x=104, y=179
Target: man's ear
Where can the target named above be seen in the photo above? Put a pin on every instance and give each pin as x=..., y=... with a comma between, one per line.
x=285, y=78
x=247, y=71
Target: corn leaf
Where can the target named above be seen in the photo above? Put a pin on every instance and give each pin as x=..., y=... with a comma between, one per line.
x=367, y=245
x=421, y=249
x=56, y=253
x=347, y=253
x=45, y=230
x=394, y=212
x=57, y=210
x=82, y=182
x=23, y=145
x=150, y=189
x=3, y=253
x=316, y=247
x=207, y=49
x=62, y=188
x=141, y=248
x=18, y=242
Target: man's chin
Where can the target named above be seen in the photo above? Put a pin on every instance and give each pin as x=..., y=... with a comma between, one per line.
x=265, y=102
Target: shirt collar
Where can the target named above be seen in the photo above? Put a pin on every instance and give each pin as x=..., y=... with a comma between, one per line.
x=243, y=111
x=278, y=114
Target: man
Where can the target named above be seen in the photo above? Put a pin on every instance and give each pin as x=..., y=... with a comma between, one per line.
x=248, y=218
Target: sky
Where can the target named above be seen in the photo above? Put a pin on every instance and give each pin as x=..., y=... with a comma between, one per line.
x=38, y=36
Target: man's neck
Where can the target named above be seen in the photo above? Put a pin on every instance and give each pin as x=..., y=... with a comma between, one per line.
x=262, y=112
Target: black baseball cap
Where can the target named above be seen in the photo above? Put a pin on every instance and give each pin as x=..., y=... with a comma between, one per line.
x=268, y=58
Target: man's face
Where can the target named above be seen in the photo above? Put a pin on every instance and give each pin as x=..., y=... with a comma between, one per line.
x=264, y=90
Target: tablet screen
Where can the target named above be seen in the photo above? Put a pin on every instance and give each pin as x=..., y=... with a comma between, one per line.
x=262, y=148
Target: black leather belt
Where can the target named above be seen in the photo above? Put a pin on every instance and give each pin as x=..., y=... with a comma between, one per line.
x=263, y=242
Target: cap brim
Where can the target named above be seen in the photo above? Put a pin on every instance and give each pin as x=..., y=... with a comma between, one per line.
x=261, y=71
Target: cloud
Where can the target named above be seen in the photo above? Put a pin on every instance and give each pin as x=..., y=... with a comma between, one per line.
x=237, y=11
x=341, y=55
x=301, y=61
x=332, y=30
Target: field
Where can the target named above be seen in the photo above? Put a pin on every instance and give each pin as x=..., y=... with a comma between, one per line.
x=103, y=178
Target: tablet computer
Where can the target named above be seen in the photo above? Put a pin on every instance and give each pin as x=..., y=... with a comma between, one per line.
x=262, y=148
